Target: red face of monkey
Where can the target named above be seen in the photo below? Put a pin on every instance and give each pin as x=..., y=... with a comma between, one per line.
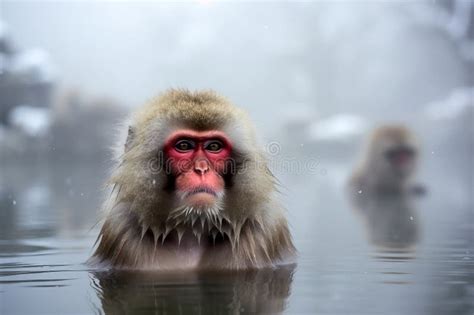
x=198, y=161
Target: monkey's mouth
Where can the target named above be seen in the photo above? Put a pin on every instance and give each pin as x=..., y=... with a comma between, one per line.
x=202, y=189
x=400, y=156
x=201, y=197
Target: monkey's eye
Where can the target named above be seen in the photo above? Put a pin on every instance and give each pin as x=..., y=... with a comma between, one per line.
x=213, y=146
x=184, y=145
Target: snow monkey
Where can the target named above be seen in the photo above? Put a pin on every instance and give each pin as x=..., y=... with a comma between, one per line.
x=389, y=162
x=192, y=190
x=381, y=191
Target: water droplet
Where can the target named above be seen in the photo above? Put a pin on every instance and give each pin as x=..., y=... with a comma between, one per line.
x=411, y=218
x=14, y=202
x=360, y=191
x=154, y=182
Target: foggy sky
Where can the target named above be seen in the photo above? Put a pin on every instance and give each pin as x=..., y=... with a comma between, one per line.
x=369, y=58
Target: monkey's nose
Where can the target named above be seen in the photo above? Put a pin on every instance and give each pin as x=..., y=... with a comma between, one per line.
x=201, y=166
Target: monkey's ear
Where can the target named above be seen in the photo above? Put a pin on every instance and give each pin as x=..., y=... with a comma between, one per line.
x=130, y=138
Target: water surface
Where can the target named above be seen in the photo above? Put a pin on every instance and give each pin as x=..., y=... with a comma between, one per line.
x=48, y=219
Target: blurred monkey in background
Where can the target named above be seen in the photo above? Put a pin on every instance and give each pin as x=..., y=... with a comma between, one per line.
x=381, y=187
x=388, y=163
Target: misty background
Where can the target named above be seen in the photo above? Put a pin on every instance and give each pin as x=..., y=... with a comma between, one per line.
x=315, y=77
x=284, y=62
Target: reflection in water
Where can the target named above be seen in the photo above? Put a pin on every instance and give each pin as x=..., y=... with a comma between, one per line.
x=133, y=292
x=38, y=201
x=392, y=226
x=41, y=201
x=391, y=220
x=13, y=232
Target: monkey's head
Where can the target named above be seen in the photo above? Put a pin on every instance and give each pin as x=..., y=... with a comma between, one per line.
x=192, y=156
x=392, y=152
x=192, y=190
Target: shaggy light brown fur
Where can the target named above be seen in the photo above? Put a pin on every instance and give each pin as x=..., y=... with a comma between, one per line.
x=374, y=173
x=145, y=228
